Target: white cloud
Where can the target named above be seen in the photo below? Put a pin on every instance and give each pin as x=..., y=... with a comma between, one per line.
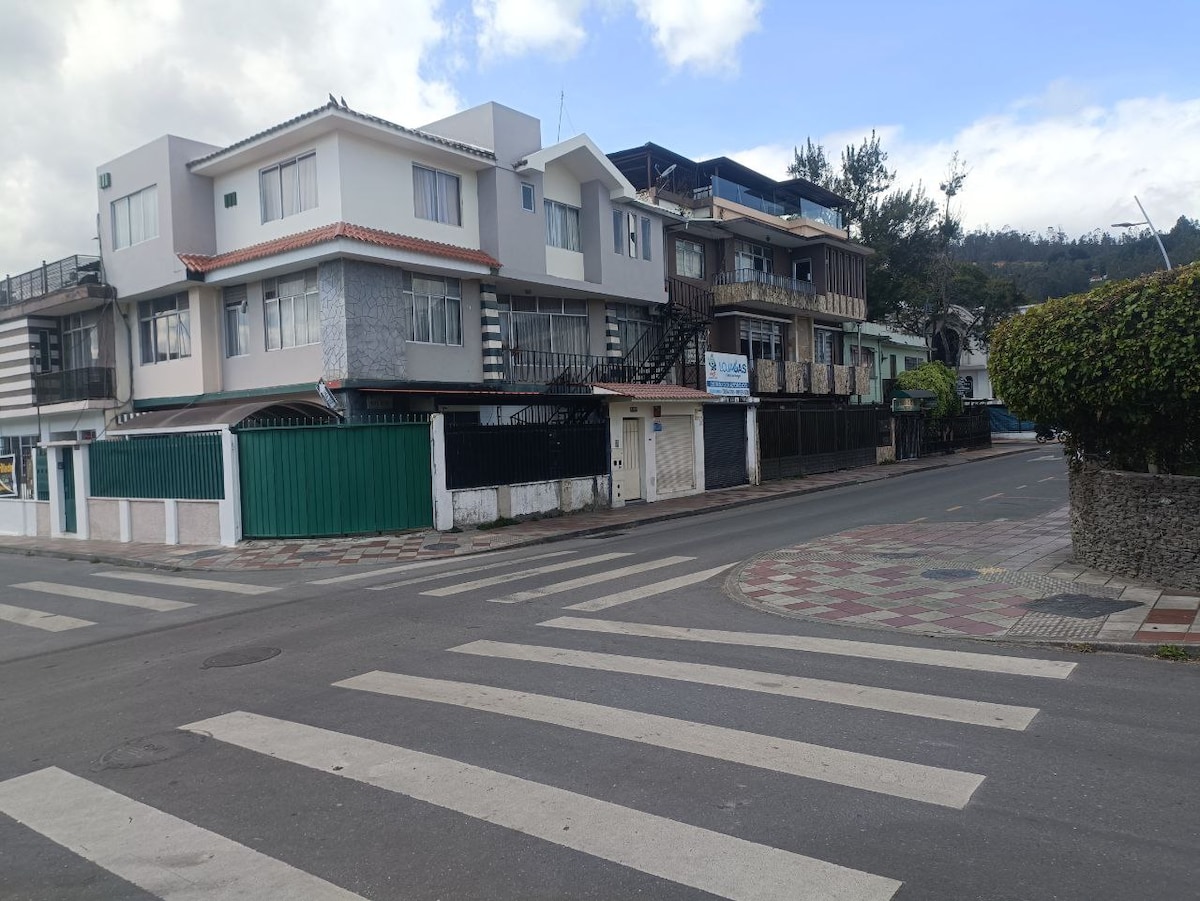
x=86, y=80
x=702, y=35
x=517, y=27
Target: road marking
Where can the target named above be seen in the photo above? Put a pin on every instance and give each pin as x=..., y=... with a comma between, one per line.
x=594, y=579
x=894, y=653
x=919, y=519
x=952, y=509
x=164, y=855
x=403, y=567
x=463, y=572
x=992, y=497
x=523, y=574
x=108, y=597
x=203, y=584
x=49, y=622
x=723, y=865
x=916, y=782
x=1047, y=457
x=1021, y=487
x=957, y=710
x=1047, y=479
x=647, y=591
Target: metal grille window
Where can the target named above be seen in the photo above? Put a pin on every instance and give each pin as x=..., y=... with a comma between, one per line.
x=562, y=226
x=689, y=259
x=135, y=218
x=911, y=363
x=289, y=187
x=752, y=256
x=292, y=309
x=549, y=324
x=436, y=196
x=435, y=309
x=762, y=339
x=237, y=322
x=81, y=341
x=164, y=329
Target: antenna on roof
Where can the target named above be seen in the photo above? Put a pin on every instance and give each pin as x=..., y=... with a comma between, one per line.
x=562, y=101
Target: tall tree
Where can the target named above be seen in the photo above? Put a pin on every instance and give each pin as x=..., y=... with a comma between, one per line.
x=811, y=163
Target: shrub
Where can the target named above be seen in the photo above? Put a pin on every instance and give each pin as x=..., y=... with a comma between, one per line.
x=1118, y=368
x=938, y=378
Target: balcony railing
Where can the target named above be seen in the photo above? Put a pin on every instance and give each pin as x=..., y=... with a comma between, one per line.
x=788, y=377
x=48, y=278
x=563, y=372
x=740, y=286
x=756, y=277
x=756, y=200
x=91, y=383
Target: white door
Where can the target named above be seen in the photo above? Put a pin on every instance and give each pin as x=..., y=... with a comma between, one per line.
x=675, y=455
x=627, y=461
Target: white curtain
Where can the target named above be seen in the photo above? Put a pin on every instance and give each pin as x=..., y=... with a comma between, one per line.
x=121, y=223
x=562, y=226
x=425, y=193
x=447, y=198
x=269, y=182
x=307, y=181
x=288, y=189
x=569, y=334
x=149, y=212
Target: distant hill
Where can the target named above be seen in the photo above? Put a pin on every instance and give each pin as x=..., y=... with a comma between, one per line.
x=1048, y=265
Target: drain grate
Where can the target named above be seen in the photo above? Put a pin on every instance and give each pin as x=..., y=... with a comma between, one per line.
x=950, y=575
x=240, y=657
x=148, y=750
x=1079, y=606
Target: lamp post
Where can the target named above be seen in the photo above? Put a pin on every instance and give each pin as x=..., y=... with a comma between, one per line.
x=1153, y=230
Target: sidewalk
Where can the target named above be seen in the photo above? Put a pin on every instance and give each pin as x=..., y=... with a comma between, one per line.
x=421, y=545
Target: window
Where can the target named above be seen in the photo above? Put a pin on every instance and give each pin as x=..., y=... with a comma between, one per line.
x=527, y=196
x=164, y=328
x=549, y=324
x=752, y=256
x=43, y=356
x=562, y=226
x=645, y=238
x=689, y=259
x=292, y=309
x=237, y=322
x=631, y=232
x=289, y=187
x=865, y=357
x=633, y=321
x=828, y=345
x=435, y=309
x=802, y=270
x=911, y=363
x=436, y=196
x=618, y=231
x=762, y=339
x=135, y=218
x=81, y=342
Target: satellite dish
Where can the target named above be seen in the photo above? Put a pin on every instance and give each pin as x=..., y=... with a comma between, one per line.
x=666, y=173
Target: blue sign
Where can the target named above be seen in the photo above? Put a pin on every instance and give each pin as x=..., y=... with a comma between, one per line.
x=727, y=374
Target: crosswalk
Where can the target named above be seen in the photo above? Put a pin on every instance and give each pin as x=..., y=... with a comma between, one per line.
x=145, y=842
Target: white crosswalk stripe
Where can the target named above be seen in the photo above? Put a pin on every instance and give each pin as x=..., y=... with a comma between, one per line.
x=38, y=619
x=933, y=785
x=978, y=713
x=187, y=582
x=420, y=580
x=710, y=861
x=159, y=605
x=594, y=579
x=166, y=856
x=646, y=591
x=463, y=587
x=409, y=567
x=967, y=660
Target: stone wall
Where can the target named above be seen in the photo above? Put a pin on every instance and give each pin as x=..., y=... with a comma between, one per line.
x=1133, y=524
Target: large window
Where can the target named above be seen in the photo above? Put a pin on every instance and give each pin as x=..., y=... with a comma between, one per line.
x=562, y=226
x=631, y=235
x=81, y=341
x=292, y=310
x=752, y=256
x=828, y=345
x=548, y=324
x=135, y=218
x=237, y=322
x=633, y=321
x=289, y=187
x=435, y=309
x=689, y=259
x=762, y=339
x=436, y=196
x=164, y=327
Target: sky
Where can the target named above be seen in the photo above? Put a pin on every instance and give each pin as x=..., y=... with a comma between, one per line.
x=1062, y=110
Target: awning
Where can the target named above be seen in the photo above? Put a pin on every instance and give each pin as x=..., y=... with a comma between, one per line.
x=215, y=417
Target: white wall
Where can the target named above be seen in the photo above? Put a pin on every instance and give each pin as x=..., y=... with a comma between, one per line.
x=19, y=517
x=644, y=410
x=261, y=368
x=474, y=506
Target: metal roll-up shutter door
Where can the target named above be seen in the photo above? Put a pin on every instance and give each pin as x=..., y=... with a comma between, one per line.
x=675, y=456
x=724, y=446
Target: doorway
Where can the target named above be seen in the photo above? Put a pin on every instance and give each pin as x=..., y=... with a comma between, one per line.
x=66, y=458
x=627, y=462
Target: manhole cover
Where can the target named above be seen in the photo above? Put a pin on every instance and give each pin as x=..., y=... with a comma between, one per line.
x=604, y=535
x=149, y=749
x=950, y=575
x=1079, y=606
x=240, y=657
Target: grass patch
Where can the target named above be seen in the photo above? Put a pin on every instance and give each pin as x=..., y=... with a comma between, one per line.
x=1171, y=652
x=497, y=523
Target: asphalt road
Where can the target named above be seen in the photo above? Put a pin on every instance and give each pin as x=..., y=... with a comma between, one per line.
x=469, y=751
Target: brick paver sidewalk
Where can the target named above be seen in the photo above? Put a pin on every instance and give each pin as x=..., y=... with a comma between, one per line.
x=994, y=580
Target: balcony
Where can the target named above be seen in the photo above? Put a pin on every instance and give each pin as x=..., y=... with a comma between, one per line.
x=765, y=290
x=725, y=189
x=563, y=373
x=49, y=278
x=825, y=379
x=70, y=385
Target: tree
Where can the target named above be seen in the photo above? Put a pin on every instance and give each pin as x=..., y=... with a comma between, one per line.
x=938, y=378
x=812, y=164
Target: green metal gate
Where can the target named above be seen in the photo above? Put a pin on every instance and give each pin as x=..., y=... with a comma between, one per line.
x=334, y=479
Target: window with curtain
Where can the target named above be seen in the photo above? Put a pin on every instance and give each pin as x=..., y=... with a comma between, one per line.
x=135, y=218
x=81, y=341
x=828, y=345
x=689, y=259
x=164, y=329
x=292, y=310
x=435, y=309
x=633, y=321
x=762, y=339
x=237, y=321
x=562, y=226
x=752, y=256
x=436, y=195
x=289, y=187
x=618, y=231
x=547, y=324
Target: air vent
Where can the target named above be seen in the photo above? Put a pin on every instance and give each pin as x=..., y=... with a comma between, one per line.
x=105, y=180
x=231, y=199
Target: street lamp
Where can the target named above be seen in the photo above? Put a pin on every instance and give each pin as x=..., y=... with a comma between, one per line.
x=1154, y=230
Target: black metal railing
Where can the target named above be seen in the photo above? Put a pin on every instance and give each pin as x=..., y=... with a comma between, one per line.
x=539, y=367
x=507, y=454
x=970, y=429
x=48, y=278
x=90, y=383
x=796, y=440
x=755, y=277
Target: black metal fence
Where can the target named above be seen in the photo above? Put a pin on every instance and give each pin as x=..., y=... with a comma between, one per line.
x=918, y=435
x=482, y=455
x=796, y=440
x=89, y=383
x=48, y=278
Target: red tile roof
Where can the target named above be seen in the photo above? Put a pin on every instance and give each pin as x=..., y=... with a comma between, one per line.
x=653, y=392
x=196, y=262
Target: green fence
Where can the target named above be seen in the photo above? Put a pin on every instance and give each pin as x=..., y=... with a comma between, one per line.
x=335, y=479
x=187, y=467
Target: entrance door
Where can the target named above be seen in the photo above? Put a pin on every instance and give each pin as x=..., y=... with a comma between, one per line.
x=627, y=462
x=67, y=461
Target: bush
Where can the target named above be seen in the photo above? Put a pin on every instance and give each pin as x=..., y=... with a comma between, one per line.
x=1118, y=368
x=938, y=378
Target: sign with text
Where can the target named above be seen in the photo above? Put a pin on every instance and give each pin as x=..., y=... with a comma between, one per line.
x=8, y=476
x=727, y=374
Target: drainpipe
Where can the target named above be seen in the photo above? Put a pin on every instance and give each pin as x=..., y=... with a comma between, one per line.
x=858, y=368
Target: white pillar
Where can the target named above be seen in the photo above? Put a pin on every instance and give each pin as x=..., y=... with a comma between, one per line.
x=229, y=509
x=83, y=490
x=54, y=477
x=752, y=465
x=125, y=519
x=698, y=447
x=171, y=521
x=443, y=500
